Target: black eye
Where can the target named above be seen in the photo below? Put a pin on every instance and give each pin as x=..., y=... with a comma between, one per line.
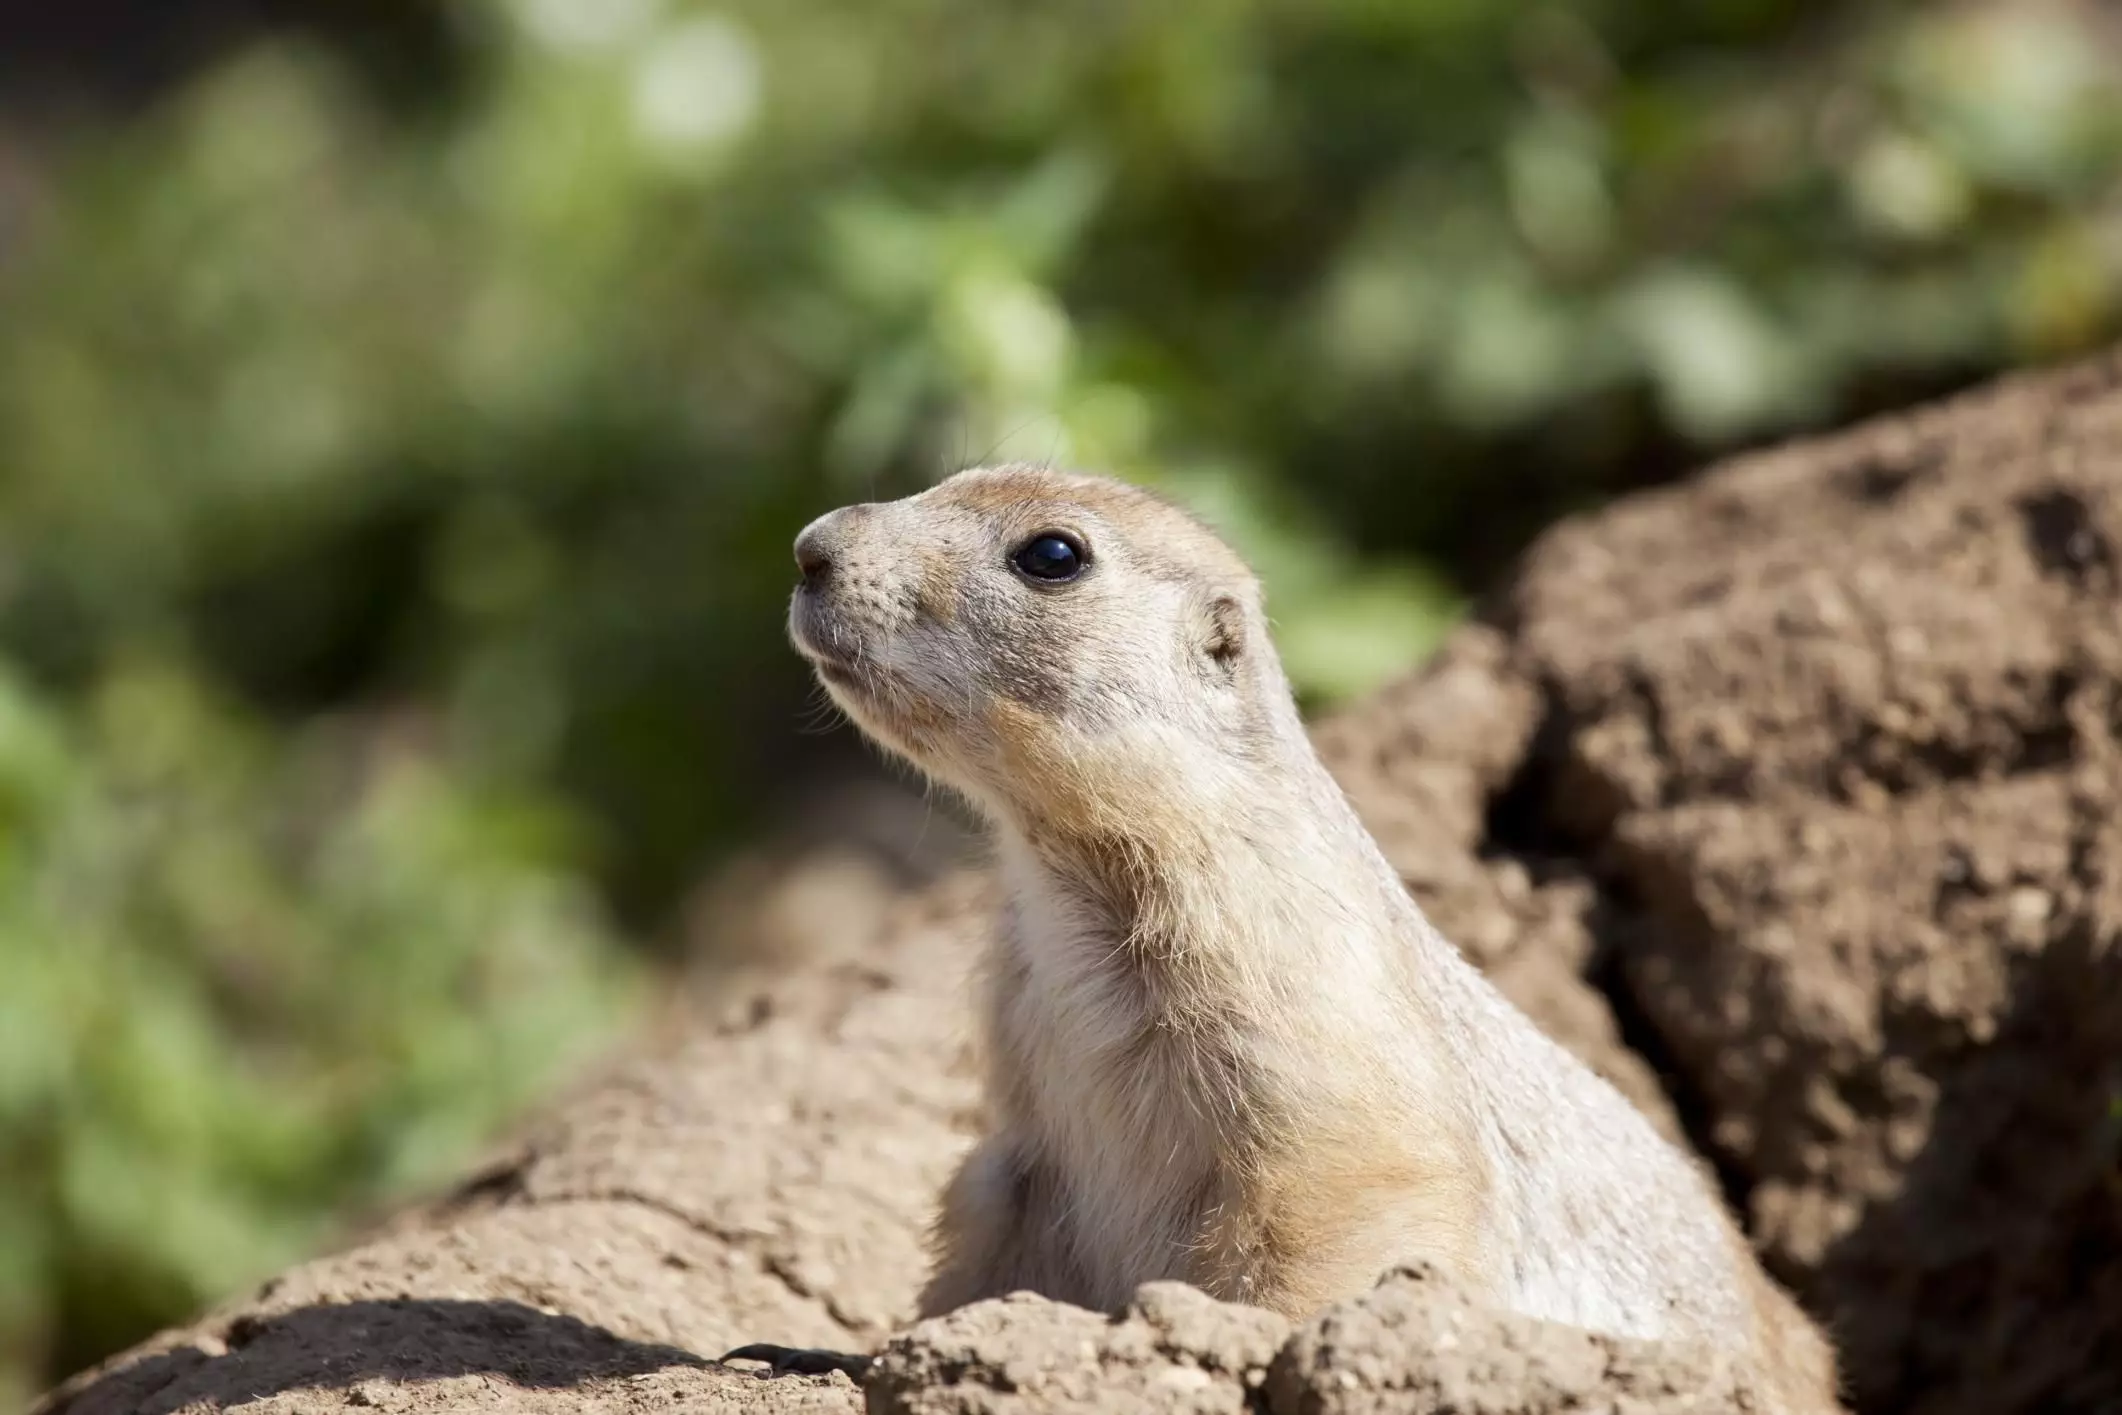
x=1050, y=556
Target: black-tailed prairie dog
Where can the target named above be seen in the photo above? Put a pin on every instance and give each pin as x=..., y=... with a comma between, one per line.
x=1225, y=1046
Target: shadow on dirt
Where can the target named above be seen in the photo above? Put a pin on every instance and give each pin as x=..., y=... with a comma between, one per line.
x=339, y=1346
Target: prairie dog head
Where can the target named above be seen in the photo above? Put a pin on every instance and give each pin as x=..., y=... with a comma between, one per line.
x=1048, y=644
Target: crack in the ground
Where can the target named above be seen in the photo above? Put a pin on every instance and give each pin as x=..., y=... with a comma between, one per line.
x=747, y=1242
x=1526, y=823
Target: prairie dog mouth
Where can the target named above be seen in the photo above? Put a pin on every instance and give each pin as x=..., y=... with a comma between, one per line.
x=812, y=630
x=839, y=675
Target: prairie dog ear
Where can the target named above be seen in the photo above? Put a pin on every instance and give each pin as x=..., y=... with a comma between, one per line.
x=1224, y=633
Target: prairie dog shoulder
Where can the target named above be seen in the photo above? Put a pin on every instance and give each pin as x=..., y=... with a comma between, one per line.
x=1225, y=1045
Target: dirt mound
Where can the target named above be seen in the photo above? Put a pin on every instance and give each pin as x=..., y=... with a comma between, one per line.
x=1413, y=1344
x=1790, y=799
x=1835, y=730
x=1416, y=1343
x=1173, y=1350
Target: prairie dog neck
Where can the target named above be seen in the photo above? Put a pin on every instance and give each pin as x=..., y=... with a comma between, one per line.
x=1237, y=886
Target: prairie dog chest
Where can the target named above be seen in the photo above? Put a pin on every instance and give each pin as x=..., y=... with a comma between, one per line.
x=1131, y=1109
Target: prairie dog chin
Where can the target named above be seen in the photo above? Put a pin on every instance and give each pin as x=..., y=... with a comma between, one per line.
x=1224, y=1044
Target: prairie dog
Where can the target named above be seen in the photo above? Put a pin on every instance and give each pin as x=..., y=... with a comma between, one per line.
x=1225, y=1045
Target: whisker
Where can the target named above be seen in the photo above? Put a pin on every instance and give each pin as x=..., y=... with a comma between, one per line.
x=822, y=714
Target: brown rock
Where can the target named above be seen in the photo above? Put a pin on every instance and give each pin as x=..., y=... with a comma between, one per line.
x=1174, y=1350
x=1835, y=730
x=1417, y=1344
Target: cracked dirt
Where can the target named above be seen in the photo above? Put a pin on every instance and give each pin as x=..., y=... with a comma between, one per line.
x=1788, y=798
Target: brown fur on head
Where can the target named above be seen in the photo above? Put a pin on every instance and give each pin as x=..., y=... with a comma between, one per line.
x=1068, y=696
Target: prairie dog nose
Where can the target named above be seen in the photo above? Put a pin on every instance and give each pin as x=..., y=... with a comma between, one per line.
x=818, y=546
x=827, y=541
x=814, y=561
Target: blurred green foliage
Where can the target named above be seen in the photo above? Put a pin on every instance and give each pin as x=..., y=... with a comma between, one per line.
x=249, y=981
x=499, y=397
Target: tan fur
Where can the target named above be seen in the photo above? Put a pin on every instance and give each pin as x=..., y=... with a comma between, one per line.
x=1225, y=1046
x=1791, y=1356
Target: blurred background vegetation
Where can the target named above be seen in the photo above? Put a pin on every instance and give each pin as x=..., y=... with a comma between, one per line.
x=405, y=410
